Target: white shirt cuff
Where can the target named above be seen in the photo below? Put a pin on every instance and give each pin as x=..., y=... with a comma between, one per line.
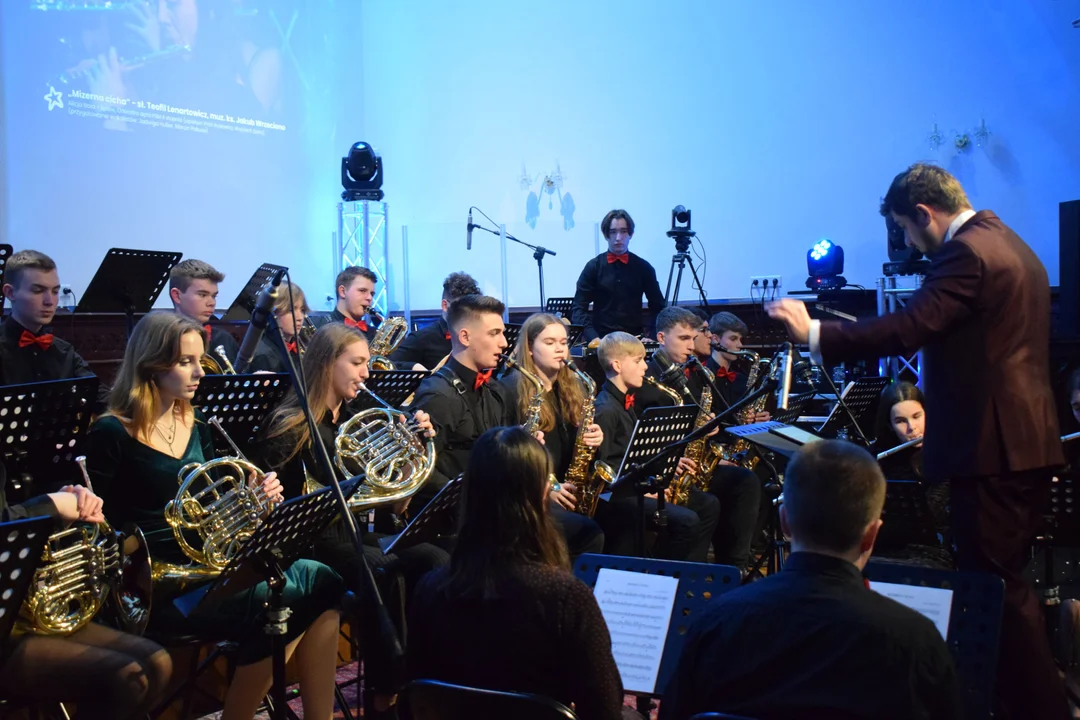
x=815, y=342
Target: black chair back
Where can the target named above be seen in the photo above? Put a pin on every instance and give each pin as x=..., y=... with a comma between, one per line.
x=434, y=700
x=719, y=716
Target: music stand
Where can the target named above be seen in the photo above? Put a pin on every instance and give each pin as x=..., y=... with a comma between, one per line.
x=427, y=523
x=129, y=282
x=244, y=304
x=393, y=386
x=42, y=426
x=561, y=307
x=241, y=403
x=796, y=405
x=974, y=623
x=699, y=584
x=645, y=469
x=860, y=397
x=22, y=545
x=289, y=531
x=907, y=516
x=5, y=253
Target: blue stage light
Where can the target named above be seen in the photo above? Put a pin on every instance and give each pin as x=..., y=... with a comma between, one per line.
x=824, y=263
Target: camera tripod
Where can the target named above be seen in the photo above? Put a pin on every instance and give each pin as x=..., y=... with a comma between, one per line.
x=681, y=259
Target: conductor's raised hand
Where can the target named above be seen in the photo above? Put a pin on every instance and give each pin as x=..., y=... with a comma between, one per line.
x=795, y=317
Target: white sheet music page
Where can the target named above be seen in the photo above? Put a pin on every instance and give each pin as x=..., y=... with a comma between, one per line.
x=637, y=609
x=934, y=603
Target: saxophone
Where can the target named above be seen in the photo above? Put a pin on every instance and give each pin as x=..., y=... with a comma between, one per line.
x=536, y=403
x=590, y=478
x=695, y=451
x=737, y=452
x=679, y=490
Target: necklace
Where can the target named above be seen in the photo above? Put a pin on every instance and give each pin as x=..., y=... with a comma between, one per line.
x=172, y=433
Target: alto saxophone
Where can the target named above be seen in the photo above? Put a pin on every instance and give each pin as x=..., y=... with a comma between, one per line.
x=695, y=451
x=536, y=402
x=590, y=478
x=680, y=486
x=737, y=452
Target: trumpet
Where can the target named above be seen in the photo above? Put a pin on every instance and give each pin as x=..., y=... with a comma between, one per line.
x=212, y=366
x=79, y=566
x=394, y=456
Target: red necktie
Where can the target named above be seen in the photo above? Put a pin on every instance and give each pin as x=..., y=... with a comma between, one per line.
x=613, y=258
x=291, y=346
x=44, y=342
x=358, y=324
x=728, y=375
x=628, y=401
x=482, y=379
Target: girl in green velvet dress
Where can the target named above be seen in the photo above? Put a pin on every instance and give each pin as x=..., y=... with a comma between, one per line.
x=134, y=453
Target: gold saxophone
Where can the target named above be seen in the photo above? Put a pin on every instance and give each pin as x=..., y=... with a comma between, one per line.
x=536, y=402
x=590, y=478
x=737, y=452
x=699, y=478
x=391, y=332
x=79, y=567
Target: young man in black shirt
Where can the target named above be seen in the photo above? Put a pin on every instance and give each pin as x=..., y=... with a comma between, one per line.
x=724, y=334
x=613, y=282
x=28, y=351
x=425, y=348
x=689, y=529
x=464, y=402
x=846, y=650
x=193, y=289
x=738, y=489
x=355, y=292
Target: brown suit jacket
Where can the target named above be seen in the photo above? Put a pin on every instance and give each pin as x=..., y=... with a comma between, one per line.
x=982, y=319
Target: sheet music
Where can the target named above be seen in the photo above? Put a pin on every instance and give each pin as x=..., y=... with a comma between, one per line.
x=637, y=609
x=934, y=603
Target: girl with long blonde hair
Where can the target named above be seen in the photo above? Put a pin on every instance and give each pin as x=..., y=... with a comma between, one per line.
x=134, y=454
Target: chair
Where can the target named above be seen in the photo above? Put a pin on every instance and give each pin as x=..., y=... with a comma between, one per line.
x=719, y=716
x=434, y=700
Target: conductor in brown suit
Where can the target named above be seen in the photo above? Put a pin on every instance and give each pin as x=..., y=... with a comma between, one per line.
x=982, y=320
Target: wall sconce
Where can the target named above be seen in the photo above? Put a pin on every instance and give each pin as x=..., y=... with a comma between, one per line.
x=962, y=142
x=982, y=134
x=935, y=138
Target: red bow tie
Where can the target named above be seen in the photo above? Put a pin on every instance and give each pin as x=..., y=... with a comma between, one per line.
x=728, y=375
x=628, y=401
x=291, y=346
x=44, y=342
x=624, y=258
x=686, y=372
x=208, y=330
x=447, y=336
x=358, y=324
x=482, y=379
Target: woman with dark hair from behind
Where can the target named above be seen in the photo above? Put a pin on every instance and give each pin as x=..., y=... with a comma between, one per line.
x=901, y=418
x=506, y=614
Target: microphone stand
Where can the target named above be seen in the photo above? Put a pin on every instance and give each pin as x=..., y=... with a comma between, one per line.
x=538, y=253
x=381, y=646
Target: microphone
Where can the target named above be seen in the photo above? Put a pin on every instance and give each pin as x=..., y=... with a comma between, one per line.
x=672, y=375
x=785, y=377
x=468, y=232
x=260, y=319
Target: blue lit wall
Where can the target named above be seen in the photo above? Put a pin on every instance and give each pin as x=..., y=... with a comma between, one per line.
x=777, y=123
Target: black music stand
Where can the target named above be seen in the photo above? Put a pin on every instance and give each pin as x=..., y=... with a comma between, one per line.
x=861, y=399
x=646, y=468
x=22, y=545
x=5, y=253
x=699, y=584
x=561, y=307
x=289, y=531
x=241, y=403
x=429, y=522
x=796, y=405
x=907, y=516
x=42, y=426
x=393, y=386
x=244, y=304
x=974, y=624
x=129, y=282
